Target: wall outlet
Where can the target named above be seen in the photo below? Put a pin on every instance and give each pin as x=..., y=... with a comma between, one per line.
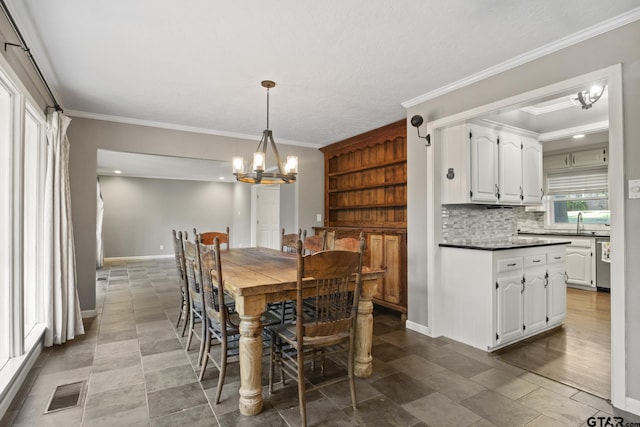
x=319, y=217
x=634, y=188
x=161, y=247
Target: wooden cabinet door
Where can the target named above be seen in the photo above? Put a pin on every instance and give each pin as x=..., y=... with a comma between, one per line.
x=532, y=191
x=392, y=262
x=535, y=300
x=376, y=260
x=510, y=168
x=509, y=308
x=556, y=294
x=579, y=266
x=484, y=164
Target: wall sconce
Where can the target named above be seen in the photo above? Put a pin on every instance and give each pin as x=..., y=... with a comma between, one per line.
x=416, y=122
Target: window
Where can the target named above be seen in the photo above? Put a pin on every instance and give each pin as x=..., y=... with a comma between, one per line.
x=34, y=146
x=583, y=192
x=5, y=222
x=22, y=172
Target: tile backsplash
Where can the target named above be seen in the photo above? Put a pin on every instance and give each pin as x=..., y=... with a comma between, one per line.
x=480, y=223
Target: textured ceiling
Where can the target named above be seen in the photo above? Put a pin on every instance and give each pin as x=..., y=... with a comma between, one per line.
x=341, y=67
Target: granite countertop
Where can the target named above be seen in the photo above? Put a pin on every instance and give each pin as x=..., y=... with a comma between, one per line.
x=503, y=244
x=565, y=233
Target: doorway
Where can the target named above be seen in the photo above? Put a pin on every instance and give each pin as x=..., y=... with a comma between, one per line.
x=265, y=216
x=612, y=77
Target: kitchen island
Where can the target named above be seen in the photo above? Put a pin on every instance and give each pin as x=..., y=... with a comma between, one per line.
x=498, y=292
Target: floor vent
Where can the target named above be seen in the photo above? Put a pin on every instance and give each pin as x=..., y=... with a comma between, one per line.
x=67, y=396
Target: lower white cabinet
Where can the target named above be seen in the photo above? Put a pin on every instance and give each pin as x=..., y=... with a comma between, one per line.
x=495, y=298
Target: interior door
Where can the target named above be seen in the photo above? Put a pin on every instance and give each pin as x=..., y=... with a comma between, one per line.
x=267, y=216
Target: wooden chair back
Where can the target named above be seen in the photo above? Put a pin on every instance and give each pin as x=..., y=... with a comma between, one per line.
x=329, y=273
x=178, y=250
x=192, y=270
x=289, y=242
x=315, y=243
x=207, y=238
x=348, y=244
x=212, y=282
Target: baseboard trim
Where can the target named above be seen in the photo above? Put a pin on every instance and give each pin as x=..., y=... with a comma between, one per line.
x=633, y=406
x=424, y=330
x=87, y=314
x=138, y=258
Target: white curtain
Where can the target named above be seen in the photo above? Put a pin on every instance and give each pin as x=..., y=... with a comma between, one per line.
x=62, y=308
x=99, y=218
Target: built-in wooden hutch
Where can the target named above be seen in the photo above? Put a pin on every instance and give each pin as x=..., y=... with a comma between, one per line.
x=366, y=190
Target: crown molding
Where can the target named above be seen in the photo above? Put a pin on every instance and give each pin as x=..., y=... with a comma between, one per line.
x=182, y=128
x=565, y=133
x=570, y=40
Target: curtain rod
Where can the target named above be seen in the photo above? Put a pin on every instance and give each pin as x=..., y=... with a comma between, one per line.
x=25, y=48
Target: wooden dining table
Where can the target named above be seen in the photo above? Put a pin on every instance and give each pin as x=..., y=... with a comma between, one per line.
x=257, y=276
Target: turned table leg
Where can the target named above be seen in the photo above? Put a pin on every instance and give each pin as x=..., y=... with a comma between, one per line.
x=364, y=330
x=250, y=355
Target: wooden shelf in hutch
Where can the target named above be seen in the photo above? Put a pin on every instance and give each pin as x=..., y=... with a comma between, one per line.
x=366, y=190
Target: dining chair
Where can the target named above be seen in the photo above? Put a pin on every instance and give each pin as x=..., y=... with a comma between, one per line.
x=196, y=315
x=221, y=319
x=207, y=237
x=350, y=244
x=289, y=241
x=326, y=275
x=182, y=280
x=315, y=243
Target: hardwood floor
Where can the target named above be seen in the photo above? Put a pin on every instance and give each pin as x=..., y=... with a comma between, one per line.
x=577, y=353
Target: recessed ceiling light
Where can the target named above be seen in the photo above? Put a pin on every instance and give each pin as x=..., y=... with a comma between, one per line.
x=580, y=135
x=222, y=177
x=117, y=172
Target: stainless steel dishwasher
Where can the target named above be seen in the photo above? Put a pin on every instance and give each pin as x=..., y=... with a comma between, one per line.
x=603, y=268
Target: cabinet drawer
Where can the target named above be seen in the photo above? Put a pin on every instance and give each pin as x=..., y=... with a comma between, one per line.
x=509, y=264
x=556, y=257
x=535, y=260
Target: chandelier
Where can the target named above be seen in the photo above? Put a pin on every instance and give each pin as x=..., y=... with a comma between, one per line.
x=258, y=173
x=586, y=98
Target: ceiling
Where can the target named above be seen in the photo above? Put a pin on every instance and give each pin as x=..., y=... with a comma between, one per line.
x=341, y=68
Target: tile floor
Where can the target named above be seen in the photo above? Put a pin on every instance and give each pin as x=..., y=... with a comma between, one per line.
x=139, y=374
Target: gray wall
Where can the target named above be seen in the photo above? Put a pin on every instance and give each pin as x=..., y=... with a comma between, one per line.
x=139, y=213
x=617, y=46
x=87, y=136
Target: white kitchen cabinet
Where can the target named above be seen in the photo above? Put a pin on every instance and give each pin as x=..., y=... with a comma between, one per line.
x=510, y=308
x=535, y=297
x=556, y=288
x=556, y=162
x=579, y=261
x=489, y=165
x=576, y=159
x=510, y=168
x=484, y=164
x=495, y=298
x=594, y=157
x=532, y=182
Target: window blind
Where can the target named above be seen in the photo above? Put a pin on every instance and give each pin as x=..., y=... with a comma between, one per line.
x=579, y=182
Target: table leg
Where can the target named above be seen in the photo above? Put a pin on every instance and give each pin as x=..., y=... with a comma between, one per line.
x=250, y=356
x=364, y=330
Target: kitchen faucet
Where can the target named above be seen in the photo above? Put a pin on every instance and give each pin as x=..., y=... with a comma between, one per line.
x=578, y=222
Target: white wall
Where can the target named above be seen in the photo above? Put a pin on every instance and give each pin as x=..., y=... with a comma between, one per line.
x=139, y=213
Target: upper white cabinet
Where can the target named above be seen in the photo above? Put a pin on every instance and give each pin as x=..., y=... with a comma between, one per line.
x=483, y=143
x=532, y=186
x=482, y=164
x=577, y=159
